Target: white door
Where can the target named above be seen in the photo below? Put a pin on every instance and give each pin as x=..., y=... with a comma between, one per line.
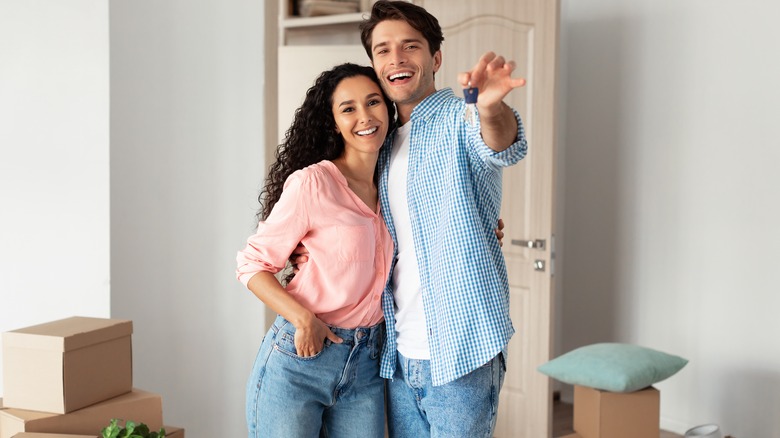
x=525, y=31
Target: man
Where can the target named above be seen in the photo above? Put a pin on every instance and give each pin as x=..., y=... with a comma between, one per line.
x=447, y=300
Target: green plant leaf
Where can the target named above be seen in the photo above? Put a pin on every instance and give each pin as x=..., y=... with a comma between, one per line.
x=131, y=430
x=112, y=430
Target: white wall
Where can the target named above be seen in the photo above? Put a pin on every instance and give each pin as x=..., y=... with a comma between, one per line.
x=186, y=162
x=670, y=112
x=668, y=185
x=54, y=152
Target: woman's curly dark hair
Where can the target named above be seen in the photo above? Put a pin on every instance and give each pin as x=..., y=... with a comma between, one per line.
x=312, y=137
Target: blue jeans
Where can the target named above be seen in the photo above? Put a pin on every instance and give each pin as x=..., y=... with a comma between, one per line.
x=466, y=407
x=336, y=393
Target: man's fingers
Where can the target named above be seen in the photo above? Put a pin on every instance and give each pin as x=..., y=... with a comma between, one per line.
x=510, y=66
x=301, y=258
x=496, y=63
x=300, y=249
x=464, y=78
x=485, y=59
x=478, y=72
x=517, y=82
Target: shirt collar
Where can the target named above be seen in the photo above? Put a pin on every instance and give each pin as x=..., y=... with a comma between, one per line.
x=431, y=104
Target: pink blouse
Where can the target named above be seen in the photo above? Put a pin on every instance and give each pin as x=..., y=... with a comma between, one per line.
x=350, y=249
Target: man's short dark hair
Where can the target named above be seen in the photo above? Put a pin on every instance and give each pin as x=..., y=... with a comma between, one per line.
x=417, y=17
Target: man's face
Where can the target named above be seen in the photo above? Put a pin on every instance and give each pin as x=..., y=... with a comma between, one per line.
x=403, y=62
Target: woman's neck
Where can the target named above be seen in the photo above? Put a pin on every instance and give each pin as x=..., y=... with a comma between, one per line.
x=357, y=168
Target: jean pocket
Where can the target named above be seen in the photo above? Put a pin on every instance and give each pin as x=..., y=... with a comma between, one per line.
x=285, y=344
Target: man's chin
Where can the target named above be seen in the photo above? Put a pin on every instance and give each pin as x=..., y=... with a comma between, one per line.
x=399, y=96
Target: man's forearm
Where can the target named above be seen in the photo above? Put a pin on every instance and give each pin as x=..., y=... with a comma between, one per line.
x=498, y=130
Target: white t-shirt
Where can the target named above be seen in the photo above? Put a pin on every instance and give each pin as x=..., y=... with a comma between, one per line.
x=410, y=327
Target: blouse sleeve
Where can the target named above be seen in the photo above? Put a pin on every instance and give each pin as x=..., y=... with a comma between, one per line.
x=270, y=247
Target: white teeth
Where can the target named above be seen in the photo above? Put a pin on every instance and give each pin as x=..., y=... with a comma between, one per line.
x=400, y=75
x=367, y=131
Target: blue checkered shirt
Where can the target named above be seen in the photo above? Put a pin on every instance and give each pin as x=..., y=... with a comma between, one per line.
x=454, y=195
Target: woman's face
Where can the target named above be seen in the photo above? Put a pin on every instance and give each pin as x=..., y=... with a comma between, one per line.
x=360, y=113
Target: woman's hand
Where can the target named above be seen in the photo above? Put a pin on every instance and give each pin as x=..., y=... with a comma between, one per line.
x=310, y=337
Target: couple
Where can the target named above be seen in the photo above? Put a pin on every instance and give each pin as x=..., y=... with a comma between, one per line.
x=405, y=283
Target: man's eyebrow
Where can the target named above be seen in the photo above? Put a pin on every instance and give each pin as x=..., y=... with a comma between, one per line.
x=406, y=41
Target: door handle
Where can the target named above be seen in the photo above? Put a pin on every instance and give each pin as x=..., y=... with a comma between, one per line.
x=532, y=244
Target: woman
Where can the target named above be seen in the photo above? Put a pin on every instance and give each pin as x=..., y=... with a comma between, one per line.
x=318, y=366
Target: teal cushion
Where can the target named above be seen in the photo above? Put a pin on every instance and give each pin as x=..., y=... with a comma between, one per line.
x=613, y=367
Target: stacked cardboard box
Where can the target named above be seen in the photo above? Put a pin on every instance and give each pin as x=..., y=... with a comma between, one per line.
x=604, y=414
x=50, y=435
x=72, y=376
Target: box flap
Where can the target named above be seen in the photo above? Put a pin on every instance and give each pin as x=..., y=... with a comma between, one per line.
x=50, y=435
x=68, y=334
x=140, y=406
x=173, y=432
x=23, y=415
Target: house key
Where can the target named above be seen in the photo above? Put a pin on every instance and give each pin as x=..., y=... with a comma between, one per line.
x=470, y=95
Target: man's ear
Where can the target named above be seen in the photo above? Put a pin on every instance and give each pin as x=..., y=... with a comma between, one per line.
x=436, y=61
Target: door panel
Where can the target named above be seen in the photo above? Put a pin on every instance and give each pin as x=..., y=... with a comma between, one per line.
x=524, y=31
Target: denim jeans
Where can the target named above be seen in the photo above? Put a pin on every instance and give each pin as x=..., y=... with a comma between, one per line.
x=336, y=393
x=466, y=407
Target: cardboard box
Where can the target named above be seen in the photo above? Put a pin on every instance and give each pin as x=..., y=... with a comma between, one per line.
x=139, y=406
x=173, y=432
x=51, y=435
x=604, y=414
x=65, y=365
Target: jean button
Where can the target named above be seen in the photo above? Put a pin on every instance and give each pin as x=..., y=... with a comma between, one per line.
x=359, y=334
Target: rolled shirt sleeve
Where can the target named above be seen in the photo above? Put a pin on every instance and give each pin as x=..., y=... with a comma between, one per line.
x=270, y=247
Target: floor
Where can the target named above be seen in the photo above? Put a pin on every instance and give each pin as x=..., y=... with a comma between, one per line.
x=563, y=422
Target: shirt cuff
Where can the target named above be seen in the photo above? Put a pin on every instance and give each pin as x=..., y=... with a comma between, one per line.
x=511, y=155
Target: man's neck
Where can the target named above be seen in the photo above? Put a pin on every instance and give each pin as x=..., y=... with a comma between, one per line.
x=405, y=112
x=405, y=109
